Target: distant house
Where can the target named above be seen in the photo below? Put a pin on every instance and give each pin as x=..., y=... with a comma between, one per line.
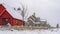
x=33, y=20
x=36, y=21
x=7, y=16
x=43, y=22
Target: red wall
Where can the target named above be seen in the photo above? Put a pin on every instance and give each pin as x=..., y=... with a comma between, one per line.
x=5, y=14
x=12, y=20
x=17, y=22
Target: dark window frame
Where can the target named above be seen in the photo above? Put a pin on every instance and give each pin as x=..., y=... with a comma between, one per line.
x=4, y=20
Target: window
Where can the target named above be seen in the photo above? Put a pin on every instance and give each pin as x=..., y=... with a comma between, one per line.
x=18, y=9
x=5, y=20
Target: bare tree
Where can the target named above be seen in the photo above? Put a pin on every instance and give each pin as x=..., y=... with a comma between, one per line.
x=23, y=12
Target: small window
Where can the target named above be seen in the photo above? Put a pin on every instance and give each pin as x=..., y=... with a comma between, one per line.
x=5, y=19
x=18, y=9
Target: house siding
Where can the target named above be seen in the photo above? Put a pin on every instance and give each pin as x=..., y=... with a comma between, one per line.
x=4, y=14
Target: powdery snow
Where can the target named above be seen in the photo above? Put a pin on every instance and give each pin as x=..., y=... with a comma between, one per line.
x=31, y=32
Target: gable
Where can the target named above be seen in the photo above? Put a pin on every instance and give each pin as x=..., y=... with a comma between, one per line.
x=6, y=15
x=2, y=9
x=12, y=12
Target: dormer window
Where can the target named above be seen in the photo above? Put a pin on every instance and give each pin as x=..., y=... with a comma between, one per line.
x=18, y=9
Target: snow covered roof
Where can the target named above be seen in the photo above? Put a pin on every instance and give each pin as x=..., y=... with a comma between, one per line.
x=13, y=13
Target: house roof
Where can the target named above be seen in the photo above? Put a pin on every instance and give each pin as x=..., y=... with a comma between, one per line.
x=12, y=12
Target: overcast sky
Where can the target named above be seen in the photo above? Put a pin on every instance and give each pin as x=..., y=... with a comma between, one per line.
x=45, y=9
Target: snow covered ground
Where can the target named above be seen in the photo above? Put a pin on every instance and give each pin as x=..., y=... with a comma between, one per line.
x=31, y=32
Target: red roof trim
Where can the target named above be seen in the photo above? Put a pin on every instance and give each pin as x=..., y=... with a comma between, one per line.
x=2, y=12
x=2, y=9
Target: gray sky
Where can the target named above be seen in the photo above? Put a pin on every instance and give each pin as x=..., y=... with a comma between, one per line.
x=45, y=9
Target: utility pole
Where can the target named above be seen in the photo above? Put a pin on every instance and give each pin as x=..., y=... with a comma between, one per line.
x=57, y=26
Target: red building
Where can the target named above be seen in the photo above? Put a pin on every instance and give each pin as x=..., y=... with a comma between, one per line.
x=5, y=17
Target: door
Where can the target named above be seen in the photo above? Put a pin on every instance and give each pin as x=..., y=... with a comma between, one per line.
x=5, y=21
x=14, y=22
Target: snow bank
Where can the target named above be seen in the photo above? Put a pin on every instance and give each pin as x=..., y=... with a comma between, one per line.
x=30, y=32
